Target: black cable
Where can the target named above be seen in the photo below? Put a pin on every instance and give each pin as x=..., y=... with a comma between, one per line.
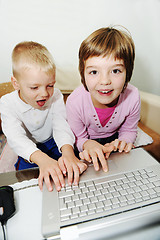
x=4, y=231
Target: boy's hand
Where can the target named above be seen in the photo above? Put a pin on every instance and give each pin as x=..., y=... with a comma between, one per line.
x=73, y=167
x=122, y=145
x=94, y=151
x=49, y=170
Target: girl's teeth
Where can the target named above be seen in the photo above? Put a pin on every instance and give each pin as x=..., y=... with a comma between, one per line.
x=104, y=91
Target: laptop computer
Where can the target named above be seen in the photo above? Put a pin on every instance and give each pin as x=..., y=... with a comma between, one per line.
x=105, y=205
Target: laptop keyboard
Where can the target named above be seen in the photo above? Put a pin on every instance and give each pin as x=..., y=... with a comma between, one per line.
x=107, y=196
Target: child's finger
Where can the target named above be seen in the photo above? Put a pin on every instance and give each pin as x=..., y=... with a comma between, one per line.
x=116, y=144
x=62, y=166
x=107, y=155
x=70, y=174
x=76, y=174
x=82, y=167
x=103, y=161
x=58, y=178
x=95, y=161
x=128, y=147
x=86, y=156
x=48, y=183
x=81, y=155
x=122, y=146
x=40, y=182
x=108, y=148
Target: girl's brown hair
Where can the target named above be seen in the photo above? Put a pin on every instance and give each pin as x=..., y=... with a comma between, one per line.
x=107, y=41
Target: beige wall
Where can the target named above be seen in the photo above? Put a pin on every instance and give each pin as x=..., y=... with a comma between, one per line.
x=61, y=25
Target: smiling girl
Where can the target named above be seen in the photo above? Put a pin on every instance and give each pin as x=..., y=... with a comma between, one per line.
x=104, y=112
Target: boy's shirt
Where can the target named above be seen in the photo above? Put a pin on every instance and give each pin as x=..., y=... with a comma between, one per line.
x=25, y=126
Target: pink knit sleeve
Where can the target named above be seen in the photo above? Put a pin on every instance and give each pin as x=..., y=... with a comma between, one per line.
x=75, y=118
x=128, y=130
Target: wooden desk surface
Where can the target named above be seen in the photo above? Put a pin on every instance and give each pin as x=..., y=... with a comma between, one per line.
x=154, y=148
x=18, y=176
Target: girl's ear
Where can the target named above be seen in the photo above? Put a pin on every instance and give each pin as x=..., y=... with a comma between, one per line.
x=15, y=83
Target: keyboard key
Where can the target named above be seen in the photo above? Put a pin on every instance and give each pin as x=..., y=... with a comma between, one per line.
x=78, y=203
x=122, y=199
x=92, y=188
x=92, y=206
x=157, y=183
x=86, y=201
x=157, y=189
x=107, y=202
x=90, y=212
x=65, y=194
x=82, y=196
x=83, y=208
x=98, y=210
x=90, y=194
x=99, y=187
x=64, y=218
x=99, y=205
x=82, y=185
x=97, y=193
x=66, y=212
x=67, y=199
x=70, y=205
x=82, y=214
x=74, y=216
x=101, y=198
x=94, y=199
x=89, y=184
x=76, y=210
x=115, y=200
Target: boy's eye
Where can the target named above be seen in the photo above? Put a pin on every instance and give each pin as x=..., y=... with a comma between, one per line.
x=34, y=88
x=50, y=86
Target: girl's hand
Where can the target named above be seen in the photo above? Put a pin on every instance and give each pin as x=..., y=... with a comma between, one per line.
x=73, y=167
x=122, y=145
x=95, y=152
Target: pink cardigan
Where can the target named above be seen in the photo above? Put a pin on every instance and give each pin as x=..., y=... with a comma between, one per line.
x=84, y=121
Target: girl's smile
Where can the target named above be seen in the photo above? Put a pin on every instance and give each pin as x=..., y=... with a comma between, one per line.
x=105, y=78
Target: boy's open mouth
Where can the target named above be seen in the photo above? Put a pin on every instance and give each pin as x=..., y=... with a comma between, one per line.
x=41, y=102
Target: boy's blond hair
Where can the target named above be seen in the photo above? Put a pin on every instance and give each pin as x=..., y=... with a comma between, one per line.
x=107, y=41
x=27, y=54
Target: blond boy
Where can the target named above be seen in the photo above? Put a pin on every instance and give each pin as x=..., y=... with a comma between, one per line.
x=34, y=119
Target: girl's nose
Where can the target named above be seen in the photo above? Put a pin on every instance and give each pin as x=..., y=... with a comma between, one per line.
x=105, y=79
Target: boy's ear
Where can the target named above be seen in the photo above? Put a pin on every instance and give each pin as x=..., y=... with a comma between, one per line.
x=15, y=83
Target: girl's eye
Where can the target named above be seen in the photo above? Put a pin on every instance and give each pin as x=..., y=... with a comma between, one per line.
x=50, y=86
x=116, y=71
x=93, y=72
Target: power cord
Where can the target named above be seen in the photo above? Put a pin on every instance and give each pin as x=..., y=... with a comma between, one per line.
x=4, y=230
